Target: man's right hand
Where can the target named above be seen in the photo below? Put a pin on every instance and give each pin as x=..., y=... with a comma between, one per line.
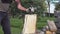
x=31, y=9
x=28, y=10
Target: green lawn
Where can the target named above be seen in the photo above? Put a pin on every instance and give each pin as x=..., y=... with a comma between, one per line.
x=17, y=24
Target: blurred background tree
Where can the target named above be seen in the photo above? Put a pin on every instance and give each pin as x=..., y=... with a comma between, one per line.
x=57, y=6
x=39, y=4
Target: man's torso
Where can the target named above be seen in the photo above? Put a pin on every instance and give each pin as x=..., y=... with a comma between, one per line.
x=4, y=6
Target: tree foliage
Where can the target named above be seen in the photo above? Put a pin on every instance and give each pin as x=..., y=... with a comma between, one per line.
x=40, y=4
x=57, y=7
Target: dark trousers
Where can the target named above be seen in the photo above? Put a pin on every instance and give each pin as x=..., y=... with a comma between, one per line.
x=4, y=21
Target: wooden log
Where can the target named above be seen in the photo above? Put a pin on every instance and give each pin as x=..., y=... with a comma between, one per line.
x=49, y=32
x=30, y=24
x=52, y=25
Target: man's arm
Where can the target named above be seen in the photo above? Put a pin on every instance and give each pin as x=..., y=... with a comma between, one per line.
x=19, y=6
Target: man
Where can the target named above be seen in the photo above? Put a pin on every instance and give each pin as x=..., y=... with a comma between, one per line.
x=4, y=19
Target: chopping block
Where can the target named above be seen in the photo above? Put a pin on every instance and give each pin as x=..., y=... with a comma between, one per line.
x=30, y=24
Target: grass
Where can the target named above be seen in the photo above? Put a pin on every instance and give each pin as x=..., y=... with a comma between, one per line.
x=17, y=24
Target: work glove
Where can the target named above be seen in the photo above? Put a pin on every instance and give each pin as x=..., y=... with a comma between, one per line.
x=30, y=10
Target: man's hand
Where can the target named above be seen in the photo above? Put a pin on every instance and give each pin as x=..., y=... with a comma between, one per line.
x=31, y=9
x=28, y=10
